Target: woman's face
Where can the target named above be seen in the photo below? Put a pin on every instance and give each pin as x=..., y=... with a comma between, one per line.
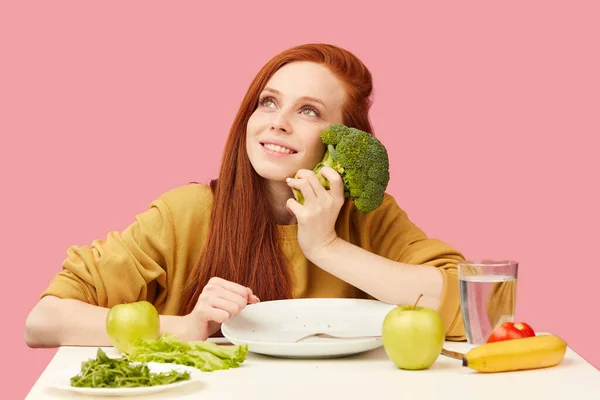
x=283, y=134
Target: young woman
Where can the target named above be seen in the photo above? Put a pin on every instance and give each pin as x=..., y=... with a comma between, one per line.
x=201, y=253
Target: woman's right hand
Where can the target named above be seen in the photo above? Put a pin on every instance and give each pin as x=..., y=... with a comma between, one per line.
x=219, y=301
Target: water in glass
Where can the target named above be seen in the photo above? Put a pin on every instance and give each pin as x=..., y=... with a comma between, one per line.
x=487, y=297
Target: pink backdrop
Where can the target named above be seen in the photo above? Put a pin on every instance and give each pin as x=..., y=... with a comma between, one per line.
x=490, y=114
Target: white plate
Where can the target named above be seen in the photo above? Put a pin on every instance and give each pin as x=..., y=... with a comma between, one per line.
x=270, y=327
x=62, y=381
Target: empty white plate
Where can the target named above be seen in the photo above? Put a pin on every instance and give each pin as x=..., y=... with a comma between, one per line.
x=272, y=327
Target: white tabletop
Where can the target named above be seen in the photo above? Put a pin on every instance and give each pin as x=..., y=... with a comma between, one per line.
x=357, y=377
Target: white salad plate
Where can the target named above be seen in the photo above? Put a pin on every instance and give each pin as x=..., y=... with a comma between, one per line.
x=274, y=327
x=62, y=381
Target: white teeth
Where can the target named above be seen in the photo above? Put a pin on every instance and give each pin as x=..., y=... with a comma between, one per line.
x=277, y=148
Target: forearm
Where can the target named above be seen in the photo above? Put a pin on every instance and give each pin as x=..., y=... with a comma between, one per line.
x=66, y=322
x=386, y=280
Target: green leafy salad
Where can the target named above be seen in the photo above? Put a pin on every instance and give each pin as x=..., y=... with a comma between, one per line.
x=205, y=356
x=131, y=369
x=106, y=372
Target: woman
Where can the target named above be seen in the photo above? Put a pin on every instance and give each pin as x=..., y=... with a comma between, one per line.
x=201, y=253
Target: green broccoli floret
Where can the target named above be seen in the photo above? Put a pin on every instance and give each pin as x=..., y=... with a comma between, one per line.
x=360, y=159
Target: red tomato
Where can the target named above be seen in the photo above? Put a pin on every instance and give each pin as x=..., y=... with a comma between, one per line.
x=511, y=330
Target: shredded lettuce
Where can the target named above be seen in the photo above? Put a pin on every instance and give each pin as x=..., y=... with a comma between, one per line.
x=105, y=372
x=206, y=356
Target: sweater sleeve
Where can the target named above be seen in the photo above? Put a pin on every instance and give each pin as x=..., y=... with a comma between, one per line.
x=127, y=266
x=392, y=235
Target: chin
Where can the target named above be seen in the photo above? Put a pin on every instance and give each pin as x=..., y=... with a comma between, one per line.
x=273, y=173
x=273, y=170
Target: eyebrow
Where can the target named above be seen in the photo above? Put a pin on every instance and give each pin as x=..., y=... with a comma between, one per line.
x=308, y=98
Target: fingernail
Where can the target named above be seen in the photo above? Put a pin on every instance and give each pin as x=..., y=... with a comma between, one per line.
x=288, y=180
x=290, y=211
x=256, y=298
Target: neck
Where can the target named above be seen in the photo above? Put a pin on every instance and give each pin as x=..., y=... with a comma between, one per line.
x=280, y=192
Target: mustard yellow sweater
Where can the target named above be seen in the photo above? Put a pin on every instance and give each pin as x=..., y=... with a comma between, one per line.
x=150, y=259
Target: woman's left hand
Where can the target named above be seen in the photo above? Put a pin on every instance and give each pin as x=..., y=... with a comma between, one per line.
x=317, y=216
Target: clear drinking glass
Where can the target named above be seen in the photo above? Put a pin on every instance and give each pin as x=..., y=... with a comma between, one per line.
x=488, y=291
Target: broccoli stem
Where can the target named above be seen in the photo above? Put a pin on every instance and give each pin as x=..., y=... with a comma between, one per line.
x=328, y=160
x=329, y=156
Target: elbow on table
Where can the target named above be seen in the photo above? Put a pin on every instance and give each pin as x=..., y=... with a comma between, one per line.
x=39, y=323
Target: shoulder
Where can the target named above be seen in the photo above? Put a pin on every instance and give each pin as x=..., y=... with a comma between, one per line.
x=186, y=201
x=186, y=195
x=388, y=209
x=386, y=221
x=389, y=203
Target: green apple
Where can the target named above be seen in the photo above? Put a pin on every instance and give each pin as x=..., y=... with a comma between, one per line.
x=126, y=323
x=413, y=336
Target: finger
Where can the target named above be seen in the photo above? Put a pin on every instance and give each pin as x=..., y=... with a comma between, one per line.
x=242, y=291
x=304, y=186
x=214, y=314
x=314, y=182
x=252, y=298
x=232, y=297
x=294, y=207
x=336, y=184
x=228, y=306
x=232, y=286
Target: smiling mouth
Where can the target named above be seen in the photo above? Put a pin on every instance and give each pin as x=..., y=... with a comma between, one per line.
x=278, y=149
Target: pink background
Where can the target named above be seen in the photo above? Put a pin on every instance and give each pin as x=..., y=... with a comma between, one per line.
x=490, y=114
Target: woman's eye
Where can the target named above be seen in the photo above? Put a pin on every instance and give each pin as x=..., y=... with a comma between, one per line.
x=310, y=111
x=267, y=102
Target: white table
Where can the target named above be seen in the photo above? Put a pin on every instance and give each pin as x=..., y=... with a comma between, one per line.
x=361, y=376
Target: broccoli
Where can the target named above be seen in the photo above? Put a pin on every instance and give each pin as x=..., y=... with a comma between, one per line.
x=362, y=162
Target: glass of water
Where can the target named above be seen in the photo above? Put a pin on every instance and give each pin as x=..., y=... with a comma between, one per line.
x=488, y=291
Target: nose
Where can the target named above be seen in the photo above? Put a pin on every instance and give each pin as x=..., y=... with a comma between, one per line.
x=281, y=124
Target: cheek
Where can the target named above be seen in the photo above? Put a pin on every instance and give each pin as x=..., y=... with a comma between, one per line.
x=317, y=150
x=251, y=131
x=251, y=126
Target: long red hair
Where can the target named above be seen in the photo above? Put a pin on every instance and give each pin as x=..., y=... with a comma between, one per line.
x=243, y=244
